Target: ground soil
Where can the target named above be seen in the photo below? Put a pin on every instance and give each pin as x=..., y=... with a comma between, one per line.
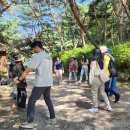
x=71, y=105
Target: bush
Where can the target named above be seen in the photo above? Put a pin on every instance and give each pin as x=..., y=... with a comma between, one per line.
x=2, y=74
x=65, y=57
x=121, y=53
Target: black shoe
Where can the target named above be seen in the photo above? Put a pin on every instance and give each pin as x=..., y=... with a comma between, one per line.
x=101, y=100
x=117, y=97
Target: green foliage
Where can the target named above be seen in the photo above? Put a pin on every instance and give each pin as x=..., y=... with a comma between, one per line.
x=9, y=34
x=2, y=74
x=65, y=57
x=121, y=53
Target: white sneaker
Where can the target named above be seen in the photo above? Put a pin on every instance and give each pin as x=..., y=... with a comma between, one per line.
x=79, y=82
x=86, y=82
x=27, y=125
x=76, y=83
x=94, y=110
x=24, y=123
x=51, y=121
x=109, y=108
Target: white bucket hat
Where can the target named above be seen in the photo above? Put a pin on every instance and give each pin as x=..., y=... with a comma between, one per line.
x=103, y=49
x=73, y=56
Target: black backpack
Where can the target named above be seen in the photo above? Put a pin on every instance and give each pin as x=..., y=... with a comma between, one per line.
x=112, y=68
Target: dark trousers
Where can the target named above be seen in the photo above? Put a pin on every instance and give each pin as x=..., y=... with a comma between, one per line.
x=21, y=97
x=108, y=89
x=37, y=92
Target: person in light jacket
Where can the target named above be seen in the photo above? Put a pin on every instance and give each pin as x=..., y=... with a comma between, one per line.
x=94, y=81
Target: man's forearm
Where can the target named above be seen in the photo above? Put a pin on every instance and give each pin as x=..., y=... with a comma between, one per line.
x=25, y=73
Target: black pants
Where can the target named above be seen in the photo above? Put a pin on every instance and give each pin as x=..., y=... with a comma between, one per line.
x=37, y=92
x=21, y=97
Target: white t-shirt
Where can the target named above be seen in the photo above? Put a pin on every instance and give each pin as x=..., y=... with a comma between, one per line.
x=85, y=65
x=42, y=63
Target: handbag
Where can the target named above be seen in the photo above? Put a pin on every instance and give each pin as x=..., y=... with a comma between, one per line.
x=103, y=77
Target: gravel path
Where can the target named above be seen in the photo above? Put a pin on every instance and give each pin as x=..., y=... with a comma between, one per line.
x=71, y=105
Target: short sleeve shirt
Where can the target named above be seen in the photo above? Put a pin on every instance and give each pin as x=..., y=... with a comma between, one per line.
x=58, y=65
x=42, y=63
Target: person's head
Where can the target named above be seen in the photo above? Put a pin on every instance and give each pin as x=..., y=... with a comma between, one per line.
x=83, y=56
x=36, y=46
x=97, y=55
x=17, y=60
x=58, y=58
x=103, y=49
x=73, y=57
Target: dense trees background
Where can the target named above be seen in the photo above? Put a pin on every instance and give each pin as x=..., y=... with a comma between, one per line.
x=63, y=24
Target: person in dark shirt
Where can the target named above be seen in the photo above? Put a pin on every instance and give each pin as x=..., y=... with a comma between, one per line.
x=58, y=68
x=21, y=86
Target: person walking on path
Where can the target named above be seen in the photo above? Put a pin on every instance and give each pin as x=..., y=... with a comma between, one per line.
x=73, y=68
x=58, y=68
x=95, y=82
x=42, y=64
x=84, y=69
x=106, y=64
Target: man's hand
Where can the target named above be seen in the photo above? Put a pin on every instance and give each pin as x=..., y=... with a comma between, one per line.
x=16, y=82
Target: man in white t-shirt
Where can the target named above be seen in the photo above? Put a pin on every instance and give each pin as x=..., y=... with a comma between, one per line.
x=42, y=64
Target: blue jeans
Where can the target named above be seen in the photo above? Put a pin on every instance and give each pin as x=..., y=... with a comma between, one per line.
x=113, y=83
x=37, y=92
x=84, y=71
x=108, y=89
x=71, y=74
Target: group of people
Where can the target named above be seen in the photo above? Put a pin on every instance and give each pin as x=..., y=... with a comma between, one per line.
x=101, y=57
x=73, y=69
x=42, y=64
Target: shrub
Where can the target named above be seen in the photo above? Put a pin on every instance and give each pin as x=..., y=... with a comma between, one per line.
x=121, y=53
x=2, y=74
x=65, y=57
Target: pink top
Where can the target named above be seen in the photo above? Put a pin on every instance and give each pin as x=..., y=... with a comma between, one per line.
x=73, y=66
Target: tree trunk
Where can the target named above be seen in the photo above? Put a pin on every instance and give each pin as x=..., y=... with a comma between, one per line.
x=97, y=27
x=112, y=35
x=105, y=29
x=121, y=23
x=123, y=2
x=74, y=12
x=56, y=26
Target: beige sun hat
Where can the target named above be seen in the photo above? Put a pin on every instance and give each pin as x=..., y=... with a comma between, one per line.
x=103, y=49
x=17, y=59
x=73, y=56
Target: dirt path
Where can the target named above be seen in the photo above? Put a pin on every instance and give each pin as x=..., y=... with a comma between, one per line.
x=71, y=105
